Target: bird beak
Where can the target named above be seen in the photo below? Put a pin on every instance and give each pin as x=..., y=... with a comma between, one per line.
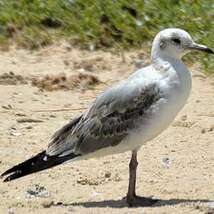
x=199, y=47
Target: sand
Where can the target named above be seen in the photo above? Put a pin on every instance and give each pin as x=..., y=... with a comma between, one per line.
x=177, y=167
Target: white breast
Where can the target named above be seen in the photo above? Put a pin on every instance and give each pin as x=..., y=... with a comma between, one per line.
x=176, y=86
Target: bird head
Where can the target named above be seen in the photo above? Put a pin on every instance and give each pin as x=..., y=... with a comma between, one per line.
x=175, y=43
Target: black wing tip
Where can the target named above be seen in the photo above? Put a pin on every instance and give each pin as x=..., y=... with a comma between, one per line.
x=34, y=164
x=13, y=176
x=7, y=179
x=17, y=170
x=10, y=175
x=7, y=172
x=4, y=174
x=2, y=177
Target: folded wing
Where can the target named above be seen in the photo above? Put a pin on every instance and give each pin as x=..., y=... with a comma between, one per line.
x=109, y=120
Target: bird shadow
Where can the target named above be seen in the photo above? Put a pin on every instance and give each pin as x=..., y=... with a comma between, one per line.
x=122, y=203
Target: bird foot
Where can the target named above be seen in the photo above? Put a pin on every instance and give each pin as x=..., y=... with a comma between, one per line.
x=136, y=201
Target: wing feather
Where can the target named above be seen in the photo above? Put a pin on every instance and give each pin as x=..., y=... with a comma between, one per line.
x=109, y=120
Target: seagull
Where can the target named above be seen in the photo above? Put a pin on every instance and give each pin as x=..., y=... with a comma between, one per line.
x=125, y=116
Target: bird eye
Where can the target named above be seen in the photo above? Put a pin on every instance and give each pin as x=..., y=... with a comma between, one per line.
x=176, y=41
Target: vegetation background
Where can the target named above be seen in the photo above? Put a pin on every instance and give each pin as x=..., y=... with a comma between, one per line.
x=117, y=24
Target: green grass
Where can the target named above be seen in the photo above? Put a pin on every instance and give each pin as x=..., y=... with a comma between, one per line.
x=105, y=23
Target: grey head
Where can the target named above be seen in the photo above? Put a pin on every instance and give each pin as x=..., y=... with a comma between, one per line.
x=174, y=43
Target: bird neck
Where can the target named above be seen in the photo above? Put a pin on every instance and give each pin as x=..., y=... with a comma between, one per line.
x=175, y=68
x=165, y=62
x=160, y=59
x=169, y=55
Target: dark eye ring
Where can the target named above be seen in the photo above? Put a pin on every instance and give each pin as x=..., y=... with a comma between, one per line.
x=176, y=40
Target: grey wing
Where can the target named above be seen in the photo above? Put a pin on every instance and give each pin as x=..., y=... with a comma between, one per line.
x=110, y=119
x=61, y=140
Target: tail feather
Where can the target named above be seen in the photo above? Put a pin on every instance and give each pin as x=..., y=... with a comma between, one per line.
x=37, y=163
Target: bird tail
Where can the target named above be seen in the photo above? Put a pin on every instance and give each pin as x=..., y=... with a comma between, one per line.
x=37, y=163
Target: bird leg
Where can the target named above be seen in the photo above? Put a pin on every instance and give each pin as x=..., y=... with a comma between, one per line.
x=131, y=198
x=132, y=176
